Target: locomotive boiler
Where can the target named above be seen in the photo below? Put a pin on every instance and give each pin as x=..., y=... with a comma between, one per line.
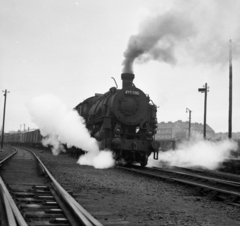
x=124, y=121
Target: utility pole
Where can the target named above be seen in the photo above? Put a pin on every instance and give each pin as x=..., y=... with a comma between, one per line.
x=189, y=126
x=4, y=109
x=204, y=90
x=230, y=92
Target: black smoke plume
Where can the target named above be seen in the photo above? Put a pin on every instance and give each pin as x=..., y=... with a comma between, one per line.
x=196, y=30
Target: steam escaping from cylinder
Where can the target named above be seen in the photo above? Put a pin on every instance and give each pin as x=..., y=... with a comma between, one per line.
x=195, y=31
x=101, y=160
x=197, y=152
x=60, y=124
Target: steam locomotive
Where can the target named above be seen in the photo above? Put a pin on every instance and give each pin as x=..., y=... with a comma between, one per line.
x=124, y=121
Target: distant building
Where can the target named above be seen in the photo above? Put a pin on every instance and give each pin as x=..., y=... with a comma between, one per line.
x=180, y=130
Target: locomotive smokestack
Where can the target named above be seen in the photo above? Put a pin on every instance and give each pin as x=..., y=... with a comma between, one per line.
x=127, y=80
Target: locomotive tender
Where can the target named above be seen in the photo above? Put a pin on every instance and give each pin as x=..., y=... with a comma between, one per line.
x=124, y=121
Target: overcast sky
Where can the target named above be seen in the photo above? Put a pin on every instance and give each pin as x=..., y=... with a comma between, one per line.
x=72, y=49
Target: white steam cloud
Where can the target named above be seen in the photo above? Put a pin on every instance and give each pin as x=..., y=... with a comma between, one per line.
x=60, y=124
x=197, y=153
x=97, y=160
x=196, y=30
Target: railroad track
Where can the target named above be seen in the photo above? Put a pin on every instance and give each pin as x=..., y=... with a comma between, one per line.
x=31, y=196
x=226, y=190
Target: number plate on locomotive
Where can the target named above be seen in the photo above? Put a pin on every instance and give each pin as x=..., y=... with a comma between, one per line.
x=131, y=92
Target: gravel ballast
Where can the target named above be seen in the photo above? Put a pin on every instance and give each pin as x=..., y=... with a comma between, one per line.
x=133, y=199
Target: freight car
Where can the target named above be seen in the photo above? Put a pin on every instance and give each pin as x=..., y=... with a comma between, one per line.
x=13, y=138
x=124, y=121
x=24, y=138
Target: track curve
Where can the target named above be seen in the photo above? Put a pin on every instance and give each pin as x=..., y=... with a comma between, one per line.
x=35, y=197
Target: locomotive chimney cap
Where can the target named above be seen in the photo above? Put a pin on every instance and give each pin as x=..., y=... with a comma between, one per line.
x=127, y=80
x=127, y=76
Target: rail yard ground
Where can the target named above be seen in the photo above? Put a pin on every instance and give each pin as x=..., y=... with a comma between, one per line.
x=135, y=199
x=7, y=150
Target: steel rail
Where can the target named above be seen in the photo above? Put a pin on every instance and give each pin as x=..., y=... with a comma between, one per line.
x=201, y=171
x=184, y=181
x=195, y=175
x=8, y=157
x=207, y=187
x=17, y=214
x=9, y=213
x=83, y=214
